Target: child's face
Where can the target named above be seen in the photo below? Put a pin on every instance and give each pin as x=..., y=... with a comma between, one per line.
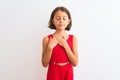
x=61, y=20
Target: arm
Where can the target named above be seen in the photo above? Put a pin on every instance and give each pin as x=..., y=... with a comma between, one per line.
x=46, y=52
x=72, y=54
x=48, y=46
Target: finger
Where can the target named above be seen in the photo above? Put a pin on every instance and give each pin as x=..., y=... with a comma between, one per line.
x=55, y=35
x=50, y=37
x=59, y=36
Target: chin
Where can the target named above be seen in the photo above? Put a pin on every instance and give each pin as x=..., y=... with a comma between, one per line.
x=61, y=29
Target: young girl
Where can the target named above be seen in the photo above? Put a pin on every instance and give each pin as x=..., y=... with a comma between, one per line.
x=60, y=48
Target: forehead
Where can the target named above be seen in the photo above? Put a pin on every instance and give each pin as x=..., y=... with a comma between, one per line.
x=61, y=13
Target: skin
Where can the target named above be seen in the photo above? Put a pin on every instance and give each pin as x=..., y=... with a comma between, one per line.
x=61, y=21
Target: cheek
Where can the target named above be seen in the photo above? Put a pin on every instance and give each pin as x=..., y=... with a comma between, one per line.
x=67, y=22
x=54, y=21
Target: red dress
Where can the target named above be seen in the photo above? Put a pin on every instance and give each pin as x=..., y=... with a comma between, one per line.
x=57, y=72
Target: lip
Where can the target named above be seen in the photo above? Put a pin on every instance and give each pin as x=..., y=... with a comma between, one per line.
x=61, y=25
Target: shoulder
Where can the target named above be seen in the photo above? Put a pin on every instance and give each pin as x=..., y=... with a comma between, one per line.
x=73, y=36
x=46, y=38
x=74, y=40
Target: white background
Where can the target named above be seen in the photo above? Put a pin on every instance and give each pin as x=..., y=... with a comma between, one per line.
x=96, y=24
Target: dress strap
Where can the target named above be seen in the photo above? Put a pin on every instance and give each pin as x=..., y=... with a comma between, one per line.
x=50, y=36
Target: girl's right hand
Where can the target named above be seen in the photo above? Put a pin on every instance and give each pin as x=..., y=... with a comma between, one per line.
x=53, y=41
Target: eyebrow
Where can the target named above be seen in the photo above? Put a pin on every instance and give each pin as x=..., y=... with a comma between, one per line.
x=60, y=16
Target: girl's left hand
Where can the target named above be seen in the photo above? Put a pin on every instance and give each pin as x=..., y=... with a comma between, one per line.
x=62, y=40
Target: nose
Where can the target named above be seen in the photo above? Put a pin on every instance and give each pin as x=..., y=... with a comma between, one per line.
x=61, y=20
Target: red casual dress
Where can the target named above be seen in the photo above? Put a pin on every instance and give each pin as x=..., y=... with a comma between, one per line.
x=57, y=72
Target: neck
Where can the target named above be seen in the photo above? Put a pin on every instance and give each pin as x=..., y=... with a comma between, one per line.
x=60, y=31
x=64, y=33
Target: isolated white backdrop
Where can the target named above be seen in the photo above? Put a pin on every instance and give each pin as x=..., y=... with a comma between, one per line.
x=96, y=24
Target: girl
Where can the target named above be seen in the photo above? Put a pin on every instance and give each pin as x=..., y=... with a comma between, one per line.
x=60, y=48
